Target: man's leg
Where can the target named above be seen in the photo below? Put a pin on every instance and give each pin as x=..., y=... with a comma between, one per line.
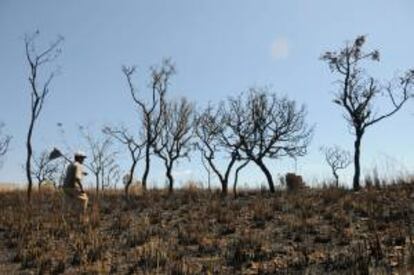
x=83, y=202
x=71, y=202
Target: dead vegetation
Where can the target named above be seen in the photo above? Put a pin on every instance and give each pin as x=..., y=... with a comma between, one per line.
x=191, y=231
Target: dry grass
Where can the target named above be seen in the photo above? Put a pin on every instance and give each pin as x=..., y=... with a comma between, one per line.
x=193, y=231
x=4, y=187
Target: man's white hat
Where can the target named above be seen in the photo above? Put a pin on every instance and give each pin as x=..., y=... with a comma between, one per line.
x=80, y=154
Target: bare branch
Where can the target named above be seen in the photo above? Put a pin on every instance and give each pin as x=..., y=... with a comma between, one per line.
x=4, y=143
x=405, y=87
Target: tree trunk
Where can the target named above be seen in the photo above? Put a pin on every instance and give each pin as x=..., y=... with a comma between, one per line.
x=336, y=179
x=209, y=180
x=168, y=173
x=224, y=179
x=97, y=183
x=102, y=179
x=224, y=186
x=146, y=168
x=357, y=166
x=236, y=177
x=131, y=177
x=29, y=158
x=267, y=173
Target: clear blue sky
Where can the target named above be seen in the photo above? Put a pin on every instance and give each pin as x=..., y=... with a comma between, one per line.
x=220, y=48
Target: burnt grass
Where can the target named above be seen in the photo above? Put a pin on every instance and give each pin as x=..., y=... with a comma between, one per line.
x=313, y=231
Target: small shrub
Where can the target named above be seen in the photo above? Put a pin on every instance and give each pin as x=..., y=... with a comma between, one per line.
x=294, y=182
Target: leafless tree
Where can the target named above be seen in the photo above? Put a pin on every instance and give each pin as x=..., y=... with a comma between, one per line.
x=101, y=158
x=150, y=112
x=176, y=134
x=39, y=89
x=268, y=127
x=337, y=159
x=4, y=143
x=358, y=92
x=44, y=169
x=134, y=148
x=216, y=143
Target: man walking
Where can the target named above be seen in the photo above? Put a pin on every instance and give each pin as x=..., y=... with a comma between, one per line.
x=72, y=185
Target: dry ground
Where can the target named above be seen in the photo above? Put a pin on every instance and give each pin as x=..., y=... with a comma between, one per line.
x=314, y=231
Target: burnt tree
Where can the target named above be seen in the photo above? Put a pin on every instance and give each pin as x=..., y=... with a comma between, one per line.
x=268, y=127
x=150, y=111
x=39, y=90
x=216, y=143
x=134, y=149
x=175, y=136
x=101, y=158
x=337, y=159
x=359, y=93
x=45, y=169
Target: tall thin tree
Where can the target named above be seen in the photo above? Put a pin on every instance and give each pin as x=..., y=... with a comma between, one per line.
x=358, y=92
x=150, y=112
x=39, y=89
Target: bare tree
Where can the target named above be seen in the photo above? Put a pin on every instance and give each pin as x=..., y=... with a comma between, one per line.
x=358, y=92
x=45, y=169
x=151, y=112
x=337, y=159
x=4, y=143
x=134, y=148
x=175, y=136
x=268, y=127
x=101, y=159
x=39, y=89
x=216, y=143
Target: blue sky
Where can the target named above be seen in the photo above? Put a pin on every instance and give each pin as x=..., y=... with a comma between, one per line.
x=220, y=48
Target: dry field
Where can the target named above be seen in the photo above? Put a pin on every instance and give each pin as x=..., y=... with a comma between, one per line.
x=315, y=231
